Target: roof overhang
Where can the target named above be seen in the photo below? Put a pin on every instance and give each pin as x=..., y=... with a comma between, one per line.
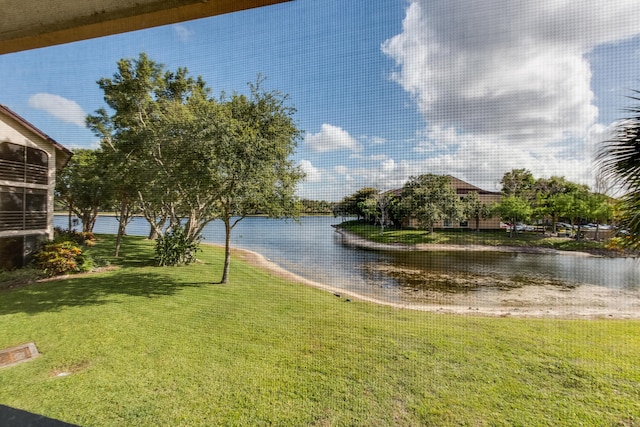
x=63, y=154
x=30, y=24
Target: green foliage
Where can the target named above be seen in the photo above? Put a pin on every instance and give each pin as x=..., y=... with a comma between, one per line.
x=430, y=198
x=619, y=159
x=316, y=206
x=175, y=248
x=83, y=185
x=353, y=205
x=56, y=258
x=85, y=238
x=165, y=125
x=474, y=208
x=514, y=209
x=518, y=182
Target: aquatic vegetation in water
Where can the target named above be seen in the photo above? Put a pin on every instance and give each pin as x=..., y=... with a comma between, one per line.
x=458, y=282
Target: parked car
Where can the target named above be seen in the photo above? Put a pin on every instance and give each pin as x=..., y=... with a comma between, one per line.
x=564, y=225
x=519, y=227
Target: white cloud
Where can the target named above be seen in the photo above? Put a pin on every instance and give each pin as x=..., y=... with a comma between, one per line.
x=184, y=34
x=332, y=138
x=374, y=140
x=62, y=108
x=505, y=84
x=388, y=165
x=313, y=173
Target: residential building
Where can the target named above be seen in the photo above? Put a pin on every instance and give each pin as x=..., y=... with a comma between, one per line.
x=463, y=188
x=28, y=163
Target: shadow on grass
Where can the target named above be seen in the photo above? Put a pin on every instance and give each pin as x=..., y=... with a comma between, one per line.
x=134, y=251
x=16, y=417
x=90, y=290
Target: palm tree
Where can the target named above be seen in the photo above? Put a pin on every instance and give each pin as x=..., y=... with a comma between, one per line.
x=619, y=159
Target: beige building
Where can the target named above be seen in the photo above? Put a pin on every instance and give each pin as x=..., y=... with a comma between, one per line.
x=462, y=188
x=28, y=163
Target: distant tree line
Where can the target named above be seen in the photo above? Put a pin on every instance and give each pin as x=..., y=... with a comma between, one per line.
x=316, y=206
x=429, y=199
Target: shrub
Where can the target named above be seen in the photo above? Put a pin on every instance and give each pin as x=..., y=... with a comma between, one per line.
x=80, y=238
x=56, y=258
x=616, y=244
x=174, y=248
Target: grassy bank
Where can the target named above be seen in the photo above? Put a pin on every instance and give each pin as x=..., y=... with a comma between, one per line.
x=468, y=237
x=164, y=346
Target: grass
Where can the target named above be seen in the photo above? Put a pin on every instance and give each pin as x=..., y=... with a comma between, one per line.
x=467, y=237
x=153, y=346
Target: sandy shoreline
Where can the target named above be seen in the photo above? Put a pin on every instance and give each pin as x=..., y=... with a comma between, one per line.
x=584, y=302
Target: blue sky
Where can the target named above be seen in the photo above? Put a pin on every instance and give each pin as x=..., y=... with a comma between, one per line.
x=384, y=89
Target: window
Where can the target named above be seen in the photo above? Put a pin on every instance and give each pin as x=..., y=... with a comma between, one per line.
x=22, y=209
x=23, y=164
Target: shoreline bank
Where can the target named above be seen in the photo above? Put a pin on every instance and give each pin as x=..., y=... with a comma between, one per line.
x=356, y=241
x=585, y=302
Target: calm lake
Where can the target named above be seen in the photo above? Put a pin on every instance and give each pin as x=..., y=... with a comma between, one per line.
x=312, y=249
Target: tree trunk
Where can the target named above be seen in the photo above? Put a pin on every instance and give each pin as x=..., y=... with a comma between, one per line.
x=88, y=221
x=227, y=251
x=122, y=224
x=153, y=233
x=70, y=212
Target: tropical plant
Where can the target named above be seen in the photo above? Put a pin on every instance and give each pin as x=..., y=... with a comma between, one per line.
x=619, y=159
x=56, y=258
x=175, y=248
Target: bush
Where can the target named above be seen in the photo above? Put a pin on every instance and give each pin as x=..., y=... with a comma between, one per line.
x=616, y=244
x=80, y=238
x=174, y=248
x=56, y=258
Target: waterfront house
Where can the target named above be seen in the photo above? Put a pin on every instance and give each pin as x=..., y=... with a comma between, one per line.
x=28, y=163
x=463, y=188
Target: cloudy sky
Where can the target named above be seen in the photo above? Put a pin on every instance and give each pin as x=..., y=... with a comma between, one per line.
x=384, y=89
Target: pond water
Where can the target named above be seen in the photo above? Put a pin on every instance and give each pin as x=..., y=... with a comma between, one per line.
x=311, y=248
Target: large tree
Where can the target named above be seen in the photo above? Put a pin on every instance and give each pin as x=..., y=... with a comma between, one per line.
x=250, y=145
x=430, y=198
x=550, y=198
x=148, y=140
x=190, y=158
x=513, y=209
x=473, y=207
x=519, y=183
x=124, y=130
x=619, y=159
x=82, y=186
x=353, y=204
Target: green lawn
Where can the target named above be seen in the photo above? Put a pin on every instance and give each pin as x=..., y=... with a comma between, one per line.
x=164, y=346
x=468, y=237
